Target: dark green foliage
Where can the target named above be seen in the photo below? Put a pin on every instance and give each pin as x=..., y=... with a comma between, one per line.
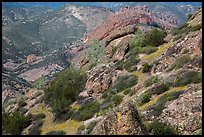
x=161, y=88
x=39, y=116
x=40, y=82
x=146, y=68
x=157, y=128
x=130, y=63
x=144, y=98
x=22, y=103
x=15, y=123
x=151, y=80
x=86, y=111
x=81, y=128
x=119, y=64
x=116, y=99
x=154, y=38
x=160, y=105
x=183, y=30
x=91, y=126
x=36, y=128
x=132, y=92
x=123, y=82
x=147, y=50
x=188, y=78
x=177, y=30
x=197, y=27
x=114, y=49
x=127, y=91
x=64, y=90
x=56, y=133
x=179, y=62
x=189, y=16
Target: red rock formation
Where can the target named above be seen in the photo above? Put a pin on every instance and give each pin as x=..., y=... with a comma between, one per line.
x=128, y=16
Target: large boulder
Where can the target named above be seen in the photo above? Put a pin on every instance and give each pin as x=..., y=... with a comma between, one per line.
x=124, y=120
x=100, y=78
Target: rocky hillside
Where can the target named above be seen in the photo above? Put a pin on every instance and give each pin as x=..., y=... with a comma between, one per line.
x=130, y=16
x=135, y=74
x=35, y=40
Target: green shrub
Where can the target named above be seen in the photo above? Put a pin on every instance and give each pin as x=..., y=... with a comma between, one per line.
x=196, y=27
x=15, y=123
x=40, y=82
x=158, y=128
x=146, y=68
x=114, y=49
x=177, y=37
x=132, y=92
x=64, y=90
x=188, y=78
x=127, y=91
x=22, y=103
x=189, y=16
x=119, y=64
x=116, y=99
x=130, y=63
x=151, y=80
x=154, y=38
x=159, y=89
x=36, y=129
x=144, y=98
x=56, y=133
x=81, y=128
x=179, y=62
x=91, y=126
x=177, y=30
x=86, y=111
x=39, y=116
x=123, y=82
x=160, y=104
x=147, y=50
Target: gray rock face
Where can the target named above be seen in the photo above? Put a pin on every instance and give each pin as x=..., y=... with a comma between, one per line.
x=100, y=78
x=185, y=112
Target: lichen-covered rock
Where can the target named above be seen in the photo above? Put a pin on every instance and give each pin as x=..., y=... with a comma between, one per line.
x=122, y=49
x=124, y=120
x=185, y=112
x=100, y=78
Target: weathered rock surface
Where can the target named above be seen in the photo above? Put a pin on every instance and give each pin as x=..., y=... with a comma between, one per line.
x=129, y=16
x=100, y=78
x=190, y=45
x=124, y=120
x=185, y=112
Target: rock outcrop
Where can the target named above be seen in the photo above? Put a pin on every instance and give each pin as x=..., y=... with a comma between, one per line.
x=124, y=120
x=185, y=112
x=129, y=16
x=100, y=78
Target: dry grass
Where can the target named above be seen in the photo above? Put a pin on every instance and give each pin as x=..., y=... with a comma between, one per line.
x=154, y=100
x=161, y=49
x=69, y=126
x=141, y=76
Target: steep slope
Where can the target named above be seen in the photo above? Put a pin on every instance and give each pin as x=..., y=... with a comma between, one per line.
x=34, y=41
x=169, y=76
x=143, y=80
